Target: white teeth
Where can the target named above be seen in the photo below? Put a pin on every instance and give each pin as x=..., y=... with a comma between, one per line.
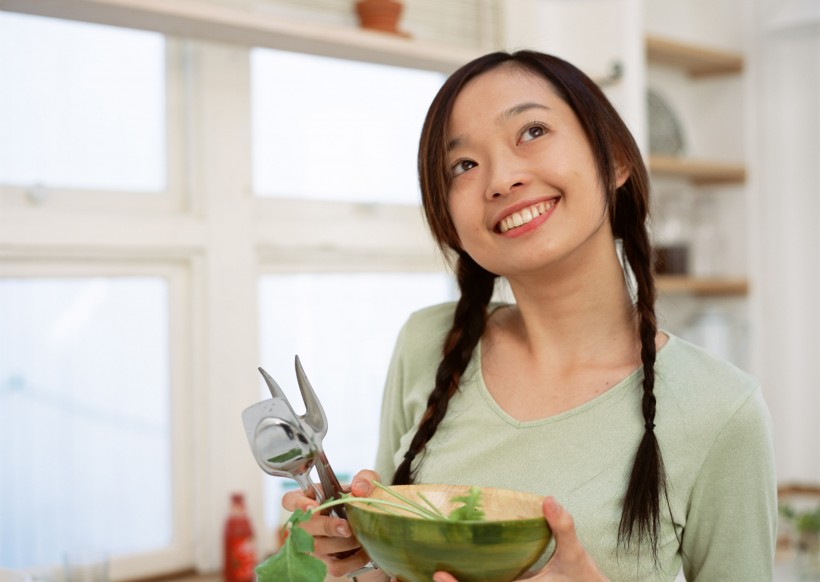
x=521, y=218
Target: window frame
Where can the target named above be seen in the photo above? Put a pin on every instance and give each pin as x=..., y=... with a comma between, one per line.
x=174, y=197
x=178, y=555
x=220, y=235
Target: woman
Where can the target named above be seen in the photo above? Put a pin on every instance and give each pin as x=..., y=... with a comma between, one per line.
x=659, y=454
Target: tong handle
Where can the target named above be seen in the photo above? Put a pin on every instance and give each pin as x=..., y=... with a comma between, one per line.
x=331, y=488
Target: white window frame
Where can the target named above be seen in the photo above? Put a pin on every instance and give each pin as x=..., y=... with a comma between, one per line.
x=219, y=234
x=174, y=197
x=53, y=263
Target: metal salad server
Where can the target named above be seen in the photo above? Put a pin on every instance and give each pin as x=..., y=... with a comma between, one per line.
x=287, y=445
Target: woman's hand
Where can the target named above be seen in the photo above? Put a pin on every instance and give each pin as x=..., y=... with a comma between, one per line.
x=569, y=563
x=332, y=535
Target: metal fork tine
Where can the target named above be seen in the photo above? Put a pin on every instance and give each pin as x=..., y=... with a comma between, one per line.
x=314, y=413
x=274, y=388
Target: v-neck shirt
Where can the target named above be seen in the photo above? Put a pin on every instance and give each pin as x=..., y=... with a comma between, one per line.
x=713, y=428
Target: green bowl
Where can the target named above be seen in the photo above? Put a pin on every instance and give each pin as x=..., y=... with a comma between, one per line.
x=499, y=548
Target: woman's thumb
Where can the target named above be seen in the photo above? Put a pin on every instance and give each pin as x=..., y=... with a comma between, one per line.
x=562, y=526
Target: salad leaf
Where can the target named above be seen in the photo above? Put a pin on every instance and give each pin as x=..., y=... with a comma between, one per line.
x=293, y=561
x=471, y=510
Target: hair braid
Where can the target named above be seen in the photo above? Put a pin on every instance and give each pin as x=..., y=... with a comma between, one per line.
x=470, y=316
x=640, y=519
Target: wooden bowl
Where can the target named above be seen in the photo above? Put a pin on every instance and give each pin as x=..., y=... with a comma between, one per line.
x=499, y=548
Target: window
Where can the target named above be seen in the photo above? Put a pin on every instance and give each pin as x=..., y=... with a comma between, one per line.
x=71, y=115
x=163, y=309
x=329, y=129
x=343, y=327
x=93, y=322
x=85, y=417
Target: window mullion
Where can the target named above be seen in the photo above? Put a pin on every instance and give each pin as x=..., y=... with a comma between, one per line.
x=226, y=376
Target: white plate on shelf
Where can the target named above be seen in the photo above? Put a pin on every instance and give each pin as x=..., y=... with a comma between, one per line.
x=665, y=132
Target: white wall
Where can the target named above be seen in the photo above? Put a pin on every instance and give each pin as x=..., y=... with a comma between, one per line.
x=785, y=241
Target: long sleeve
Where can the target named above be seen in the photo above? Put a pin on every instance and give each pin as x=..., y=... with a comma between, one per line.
x=732, y=519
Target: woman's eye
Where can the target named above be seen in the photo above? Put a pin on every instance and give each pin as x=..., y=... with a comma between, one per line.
x=462, y=166
x=532, y=132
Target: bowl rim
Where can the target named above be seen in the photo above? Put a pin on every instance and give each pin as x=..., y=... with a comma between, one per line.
x=526, y=495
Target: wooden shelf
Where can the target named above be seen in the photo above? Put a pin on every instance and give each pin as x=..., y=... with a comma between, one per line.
x=712, y=287
x=248, y=27
x=696, y=60
x=699, y=172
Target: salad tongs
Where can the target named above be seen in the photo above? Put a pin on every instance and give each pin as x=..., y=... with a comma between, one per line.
x=285, y=444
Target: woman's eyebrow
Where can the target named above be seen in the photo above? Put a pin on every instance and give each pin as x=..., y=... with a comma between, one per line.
x=505, y=115
x=454, y=143
x=519, y=109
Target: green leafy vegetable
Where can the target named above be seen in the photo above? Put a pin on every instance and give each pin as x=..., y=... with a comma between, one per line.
x=471, y=510
x=293, y=561
x=420, y=510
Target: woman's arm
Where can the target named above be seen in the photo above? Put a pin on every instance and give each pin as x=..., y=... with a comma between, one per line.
x=731, y=522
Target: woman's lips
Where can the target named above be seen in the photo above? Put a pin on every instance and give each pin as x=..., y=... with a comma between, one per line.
x=524, y=215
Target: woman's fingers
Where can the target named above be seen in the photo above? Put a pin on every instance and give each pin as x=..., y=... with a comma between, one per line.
x=570, y=561
x=563, y=529
x=332, y=535
x=362, y=484
x=293, y=500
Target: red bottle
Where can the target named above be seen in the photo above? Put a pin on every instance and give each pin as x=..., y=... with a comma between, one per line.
x=240, y=547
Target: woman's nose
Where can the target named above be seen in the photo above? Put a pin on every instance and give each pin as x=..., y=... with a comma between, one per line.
x=505, y=191
x=508, y=175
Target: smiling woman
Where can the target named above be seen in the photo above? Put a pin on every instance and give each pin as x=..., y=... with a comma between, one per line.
x=633, y=436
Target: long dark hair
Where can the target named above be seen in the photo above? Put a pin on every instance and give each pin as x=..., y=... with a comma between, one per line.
x=612, y=145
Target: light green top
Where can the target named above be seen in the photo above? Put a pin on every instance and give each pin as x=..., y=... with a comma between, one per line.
x=712, y=424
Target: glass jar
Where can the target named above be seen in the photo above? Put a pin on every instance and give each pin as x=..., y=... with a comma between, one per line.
x=672, y=235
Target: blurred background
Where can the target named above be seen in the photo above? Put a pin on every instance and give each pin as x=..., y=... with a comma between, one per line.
x=190, y=189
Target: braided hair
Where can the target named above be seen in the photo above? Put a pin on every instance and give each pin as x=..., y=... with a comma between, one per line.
x=628, y=208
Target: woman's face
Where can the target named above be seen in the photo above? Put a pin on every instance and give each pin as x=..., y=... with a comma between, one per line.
x=525, y=193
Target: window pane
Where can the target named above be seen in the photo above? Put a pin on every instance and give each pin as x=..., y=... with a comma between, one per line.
x=81, y=105
x=331, y=129
x=343, y=327
x=84, y=417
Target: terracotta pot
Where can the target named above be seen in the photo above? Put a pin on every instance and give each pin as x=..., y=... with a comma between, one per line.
x=380, y=15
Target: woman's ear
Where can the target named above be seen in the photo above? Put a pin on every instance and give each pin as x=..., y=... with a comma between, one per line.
x=622, y=172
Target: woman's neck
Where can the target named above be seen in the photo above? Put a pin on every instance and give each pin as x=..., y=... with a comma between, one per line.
x=581, y=313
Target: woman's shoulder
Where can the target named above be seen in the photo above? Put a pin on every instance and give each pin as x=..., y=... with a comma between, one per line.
x=432, y=316
x=702, y=384
x=424, y=330
x=686, y=359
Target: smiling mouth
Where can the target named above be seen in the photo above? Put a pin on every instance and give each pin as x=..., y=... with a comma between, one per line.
x=525, y=215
